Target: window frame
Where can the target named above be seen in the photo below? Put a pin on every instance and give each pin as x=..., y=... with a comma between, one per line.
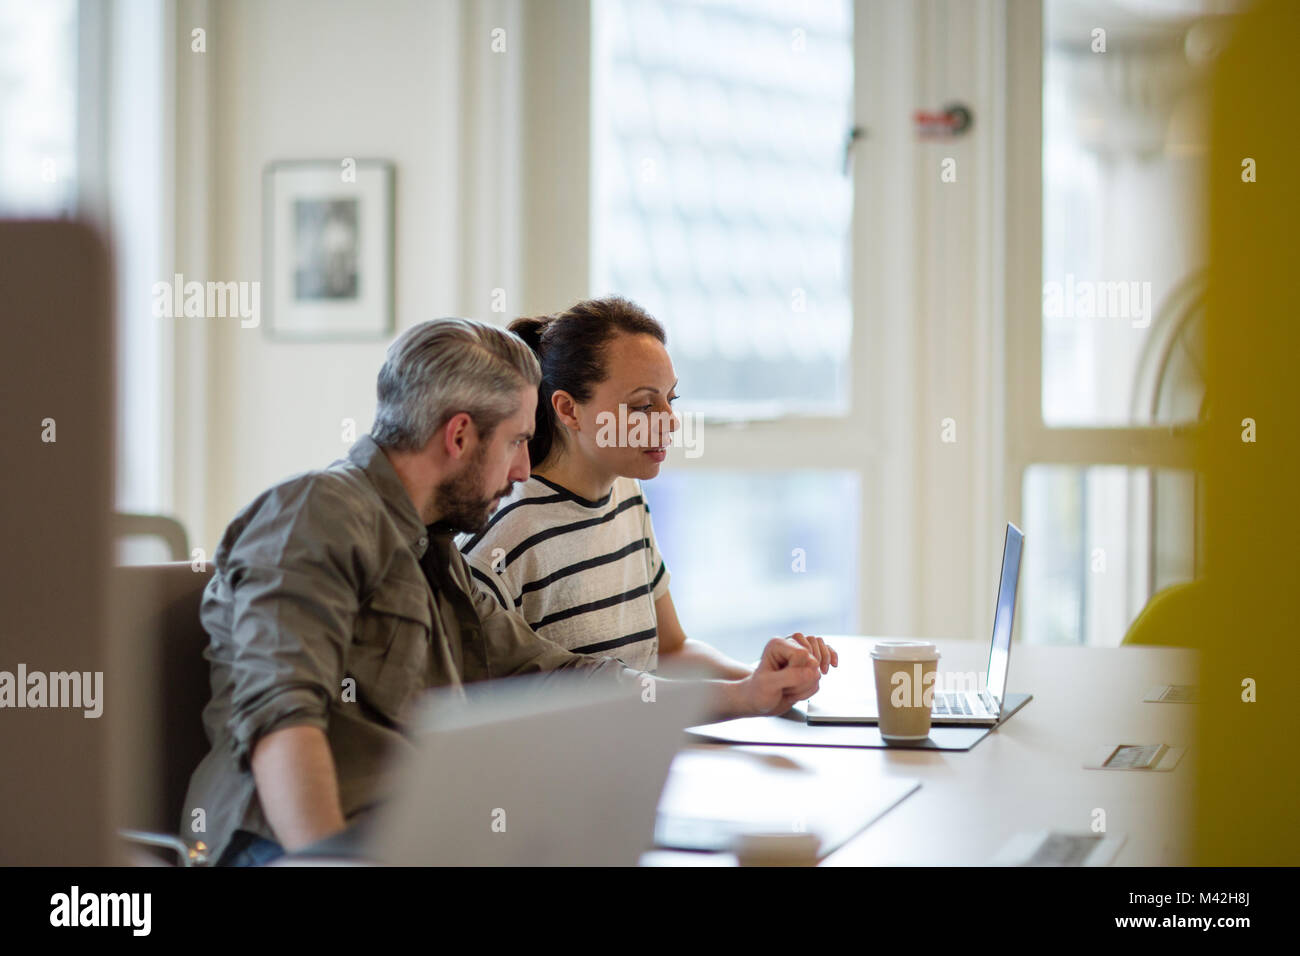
x=1030, y=440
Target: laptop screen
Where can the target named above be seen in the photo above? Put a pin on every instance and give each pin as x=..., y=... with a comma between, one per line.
x=1004, y=614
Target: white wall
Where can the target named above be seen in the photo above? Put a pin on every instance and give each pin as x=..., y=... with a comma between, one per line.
x=490, y=149
x=293, y=79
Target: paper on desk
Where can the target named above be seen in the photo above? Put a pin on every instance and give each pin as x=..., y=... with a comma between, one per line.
x=712, y=795
x=1136, y=758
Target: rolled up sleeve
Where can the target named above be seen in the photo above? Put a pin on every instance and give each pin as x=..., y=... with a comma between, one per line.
x=293, y=581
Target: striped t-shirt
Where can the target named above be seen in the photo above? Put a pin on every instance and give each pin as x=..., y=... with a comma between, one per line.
x=584, y=574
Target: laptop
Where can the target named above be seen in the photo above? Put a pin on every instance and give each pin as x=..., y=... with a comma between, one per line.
x=532, y=772
x=971, y=707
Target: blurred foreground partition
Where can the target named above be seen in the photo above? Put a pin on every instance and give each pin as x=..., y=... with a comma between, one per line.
x=1249, y=738
x=57, y=698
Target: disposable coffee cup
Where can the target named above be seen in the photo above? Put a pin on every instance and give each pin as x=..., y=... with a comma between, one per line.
x=905, y=676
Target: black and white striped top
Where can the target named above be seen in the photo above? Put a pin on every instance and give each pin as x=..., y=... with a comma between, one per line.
x=584, y=574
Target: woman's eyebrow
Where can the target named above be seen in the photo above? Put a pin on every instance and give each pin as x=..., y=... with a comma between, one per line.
x=649, y=388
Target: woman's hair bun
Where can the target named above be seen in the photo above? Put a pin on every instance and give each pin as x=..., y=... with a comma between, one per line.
x=530, y=329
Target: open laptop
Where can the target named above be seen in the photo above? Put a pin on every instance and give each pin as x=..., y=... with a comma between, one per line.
x=531, y=771
x=983, y=708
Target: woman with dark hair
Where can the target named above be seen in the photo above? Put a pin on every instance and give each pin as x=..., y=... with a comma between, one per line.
x=572, y=548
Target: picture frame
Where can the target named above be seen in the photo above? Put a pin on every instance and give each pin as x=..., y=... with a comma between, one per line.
x=327, y=257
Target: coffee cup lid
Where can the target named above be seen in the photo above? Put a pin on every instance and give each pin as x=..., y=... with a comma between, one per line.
x=905, y=651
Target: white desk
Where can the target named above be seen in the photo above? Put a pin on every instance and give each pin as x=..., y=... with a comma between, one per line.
x=1028, y=773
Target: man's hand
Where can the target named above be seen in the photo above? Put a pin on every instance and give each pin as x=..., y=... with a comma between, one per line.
x=297, y=784
x=789, y=671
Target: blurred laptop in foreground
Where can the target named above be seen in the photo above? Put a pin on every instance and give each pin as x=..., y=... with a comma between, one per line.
x=521, y=773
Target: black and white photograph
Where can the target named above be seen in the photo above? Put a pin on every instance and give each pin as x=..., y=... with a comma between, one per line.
x=325, y=249
x=328, y=250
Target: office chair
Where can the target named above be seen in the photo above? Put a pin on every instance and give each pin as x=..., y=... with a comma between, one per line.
x=1173, y=617
x=160, y=527
x=157, y=608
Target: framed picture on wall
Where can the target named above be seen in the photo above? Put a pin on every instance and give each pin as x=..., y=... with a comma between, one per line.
x=327, y=268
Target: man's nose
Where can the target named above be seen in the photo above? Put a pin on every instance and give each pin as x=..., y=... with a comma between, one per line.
x=519, y=469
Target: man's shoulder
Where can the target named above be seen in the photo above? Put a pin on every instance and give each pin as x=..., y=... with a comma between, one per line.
x=325, y=503
x=342, y=486
x=347, y=482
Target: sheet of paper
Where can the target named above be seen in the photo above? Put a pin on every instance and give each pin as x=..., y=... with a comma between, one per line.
x=1135, y=757
x=712, y=795
x=1172, y=694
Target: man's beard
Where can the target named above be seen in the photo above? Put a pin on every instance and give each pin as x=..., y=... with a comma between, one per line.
x=459, y=501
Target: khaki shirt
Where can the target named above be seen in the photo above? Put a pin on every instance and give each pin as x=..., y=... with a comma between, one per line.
x=332, y=606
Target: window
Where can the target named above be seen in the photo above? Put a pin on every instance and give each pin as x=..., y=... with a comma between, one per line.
x=83, y=130
x=1112, y=536
x=38, y=107
x=760, y=555
x=722, y=204
x=1123, y=162
x=1103, y=467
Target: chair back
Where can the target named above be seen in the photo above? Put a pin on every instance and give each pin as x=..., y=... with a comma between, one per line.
x=1172, y=618
x=157, y=608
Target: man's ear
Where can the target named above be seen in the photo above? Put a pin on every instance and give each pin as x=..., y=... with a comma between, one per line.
x=566, y=409
x=459, y=436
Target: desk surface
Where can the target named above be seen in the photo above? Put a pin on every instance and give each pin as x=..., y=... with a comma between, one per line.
x=1028, y=774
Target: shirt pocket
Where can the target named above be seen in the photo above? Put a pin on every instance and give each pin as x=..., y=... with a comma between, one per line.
x=390, y=648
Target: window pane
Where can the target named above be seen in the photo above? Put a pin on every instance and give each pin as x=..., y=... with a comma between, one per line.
x=1124, y=153
x=38, y=107
x=756, y=556
x=1098, y=543
x=721, y=202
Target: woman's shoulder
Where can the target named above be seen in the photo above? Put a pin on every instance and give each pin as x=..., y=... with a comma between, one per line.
x=631, y=496
x=626, y=489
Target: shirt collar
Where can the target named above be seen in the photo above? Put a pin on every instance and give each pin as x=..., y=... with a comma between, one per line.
x=370, y=458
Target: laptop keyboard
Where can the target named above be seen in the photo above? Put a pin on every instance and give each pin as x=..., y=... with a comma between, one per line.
x=949, y=704
x=957, y=705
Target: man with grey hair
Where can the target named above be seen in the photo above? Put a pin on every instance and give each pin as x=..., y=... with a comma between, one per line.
x=339, y=596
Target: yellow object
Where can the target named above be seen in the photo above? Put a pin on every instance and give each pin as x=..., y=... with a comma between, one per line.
x=1249, y=454
x=1173, y=617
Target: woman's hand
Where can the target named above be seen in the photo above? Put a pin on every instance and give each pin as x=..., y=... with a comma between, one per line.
x=789, y=671
x=825, y=654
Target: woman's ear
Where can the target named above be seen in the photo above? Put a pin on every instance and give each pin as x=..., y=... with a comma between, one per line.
x=566, y=409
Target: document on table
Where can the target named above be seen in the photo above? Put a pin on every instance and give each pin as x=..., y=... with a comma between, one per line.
x=715, y=795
